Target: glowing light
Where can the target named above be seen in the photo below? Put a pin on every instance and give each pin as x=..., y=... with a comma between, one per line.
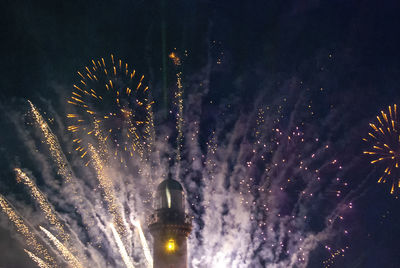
x=168, y=194
x=68, y=256
x=259, y=166
x=175, y=58
x=43, y=203
x=170, y=246
x=179, y=116
x=37, y=260
x=178, y=102
x=107, y=186
x=385, y=146
x=24, y=230
x=111, y=107
x=54, y=145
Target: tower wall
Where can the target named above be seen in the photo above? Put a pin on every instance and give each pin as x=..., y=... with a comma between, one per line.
x=164, y=258
x=170, y=226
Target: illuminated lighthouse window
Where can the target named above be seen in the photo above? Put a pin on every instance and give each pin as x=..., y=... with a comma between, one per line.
x=170, y=199
x=171, y=246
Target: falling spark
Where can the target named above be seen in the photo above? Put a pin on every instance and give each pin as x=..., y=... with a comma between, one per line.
x=175, y=58
x=68, y=256
x=52, y=142
x=333, y=255
x=107, y=186
x=179, y=116
x=109, y=111
x=23, y=229
x=234, y=189
x=385, y=146
x=121, y=247
x=178, y=102
x=143, y=241
x=41, y=263
x=43, y=203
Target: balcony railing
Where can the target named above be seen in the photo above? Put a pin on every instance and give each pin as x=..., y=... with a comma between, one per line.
x=170, y=217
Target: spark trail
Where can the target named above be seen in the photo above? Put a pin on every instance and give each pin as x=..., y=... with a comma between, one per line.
x=258, y=188
x=24, y=230
x=253, y=178
x=107, y=186
x=121, y=247
x=68, y=256
x=179, y=116
x=37, y=260
x=43, y=203
x=54, y=146
x=143, y=241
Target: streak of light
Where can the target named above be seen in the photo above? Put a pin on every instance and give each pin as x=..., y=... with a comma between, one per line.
x=121, y=248
x=68, y=256
x=24, y=230
x=43, y=203
x=54, y=145
x=41, y=263
x=143, y=241
x=107, y=186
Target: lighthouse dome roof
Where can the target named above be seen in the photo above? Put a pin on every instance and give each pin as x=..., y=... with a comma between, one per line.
x=171, y=184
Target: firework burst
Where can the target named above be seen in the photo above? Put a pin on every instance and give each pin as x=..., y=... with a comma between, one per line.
x=112, y=105
x=385, y=145
x=251, y=179
x=54, y=146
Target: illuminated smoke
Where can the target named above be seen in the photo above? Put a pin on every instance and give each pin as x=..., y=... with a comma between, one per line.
x=68, y=256
x=37, y=260
x=54, y=146
x=24, y=230
x=251, y=189
x=121, y=247
x=143, y=242
x=43, y=203
x=107, y=186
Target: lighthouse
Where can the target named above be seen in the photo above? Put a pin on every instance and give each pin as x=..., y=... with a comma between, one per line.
x=170, y=226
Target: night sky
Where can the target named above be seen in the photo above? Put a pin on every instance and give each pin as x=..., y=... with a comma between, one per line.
x=341, y=57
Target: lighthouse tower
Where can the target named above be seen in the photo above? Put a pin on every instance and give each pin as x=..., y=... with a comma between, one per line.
x=170, y=226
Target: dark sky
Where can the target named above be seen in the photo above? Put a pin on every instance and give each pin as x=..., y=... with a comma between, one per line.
x=44, y=42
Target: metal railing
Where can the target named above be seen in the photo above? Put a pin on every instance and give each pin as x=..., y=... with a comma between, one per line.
x=170, y=217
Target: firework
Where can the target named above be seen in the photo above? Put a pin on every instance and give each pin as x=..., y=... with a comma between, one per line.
x=69, y=257
x=179, y=116
x=178, y=102
x=112, y=106
x=121, y=247
x=54, y=146
x=175, y=58
x=384, y=139
x=143, y=241
x=249, y=190
x=107, y=186
x=24, y=230
x=37, y=260
x=43, y=203
x=333, y=255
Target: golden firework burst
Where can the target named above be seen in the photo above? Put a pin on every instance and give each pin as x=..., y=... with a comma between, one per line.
x=384, y=139
x=111, y=105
